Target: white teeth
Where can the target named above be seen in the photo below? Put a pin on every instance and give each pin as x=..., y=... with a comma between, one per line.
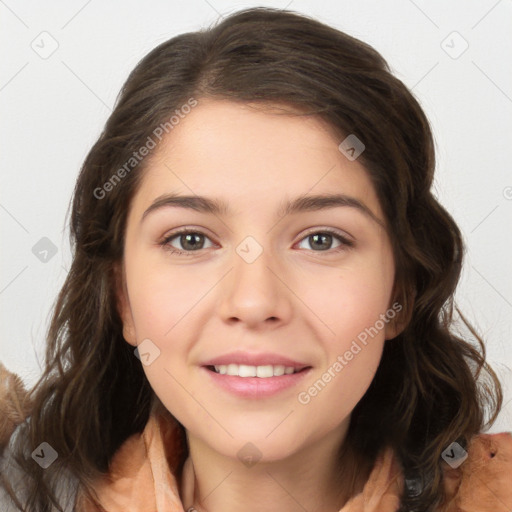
x=263, y=372
x=246, y=371
x=278, y=370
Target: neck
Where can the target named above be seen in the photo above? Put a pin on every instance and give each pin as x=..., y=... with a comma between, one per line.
x=320, y=477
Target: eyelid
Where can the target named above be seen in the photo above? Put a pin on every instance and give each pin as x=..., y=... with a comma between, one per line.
x=166, y=239
x=346, y=240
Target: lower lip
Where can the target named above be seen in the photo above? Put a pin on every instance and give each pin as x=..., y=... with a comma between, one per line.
x=256, y=387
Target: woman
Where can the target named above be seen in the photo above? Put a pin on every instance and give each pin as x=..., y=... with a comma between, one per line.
x=259, y=309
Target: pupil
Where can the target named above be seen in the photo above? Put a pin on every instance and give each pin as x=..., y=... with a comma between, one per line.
x=187, y=238
x=324, y=236
x=322, y=239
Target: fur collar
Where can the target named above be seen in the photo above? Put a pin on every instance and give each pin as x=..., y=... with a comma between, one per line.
x=143, y=476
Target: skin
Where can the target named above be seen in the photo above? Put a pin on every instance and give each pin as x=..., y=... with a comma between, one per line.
x=297, y=299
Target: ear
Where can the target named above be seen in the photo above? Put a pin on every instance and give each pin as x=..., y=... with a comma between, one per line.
x=394, y=327
x=123, y=305
x=399, y=312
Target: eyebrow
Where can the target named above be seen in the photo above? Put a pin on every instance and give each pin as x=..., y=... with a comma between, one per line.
x=300, y=204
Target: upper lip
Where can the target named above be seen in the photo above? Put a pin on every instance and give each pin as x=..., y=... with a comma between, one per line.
x=263, y=359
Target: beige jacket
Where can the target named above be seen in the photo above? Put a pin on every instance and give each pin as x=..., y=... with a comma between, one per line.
x=142, y=474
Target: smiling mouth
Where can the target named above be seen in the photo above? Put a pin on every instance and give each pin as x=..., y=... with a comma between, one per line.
x=263, y=372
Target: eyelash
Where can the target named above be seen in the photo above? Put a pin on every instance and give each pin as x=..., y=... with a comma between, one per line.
x=345, y=243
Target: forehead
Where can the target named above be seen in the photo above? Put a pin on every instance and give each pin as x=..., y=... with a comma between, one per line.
x=256, y=155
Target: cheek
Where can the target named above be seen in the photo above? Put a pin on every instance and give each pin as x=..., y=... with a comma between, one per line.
x=354, y=306
x=164, y=302
x=161, y=297
x=353, y=350
x=352, y=300
x=336, y=391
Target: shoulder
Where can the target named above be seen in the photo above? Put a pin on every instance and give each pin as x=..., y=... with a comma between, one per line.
x=12, y=477
x=14, y=404
x=13, y=411
x=14, y=422
x=483, y=481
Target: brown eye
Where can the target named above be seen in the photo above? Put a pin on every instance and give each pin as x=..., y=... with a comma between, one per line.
x=188, y=242
x=322, y=241
x=191, y=241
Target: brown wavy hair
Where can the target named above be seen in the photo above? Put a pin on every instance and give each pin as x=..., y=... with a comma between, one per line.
x=429, y=389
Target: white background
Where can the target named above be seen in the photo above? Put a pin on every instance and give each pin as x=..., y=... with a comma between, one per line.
x=54, y=108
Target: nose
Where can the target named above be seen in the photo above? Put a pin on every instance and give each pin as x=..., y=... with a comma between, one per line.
x=254, y=293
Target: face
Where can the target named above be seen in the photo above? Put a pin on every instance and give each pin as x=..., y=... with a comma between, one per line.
x=312, y=284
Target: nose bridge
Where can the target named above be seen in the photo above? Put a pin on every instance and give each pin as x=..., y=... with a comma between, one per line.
x=253, y=291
